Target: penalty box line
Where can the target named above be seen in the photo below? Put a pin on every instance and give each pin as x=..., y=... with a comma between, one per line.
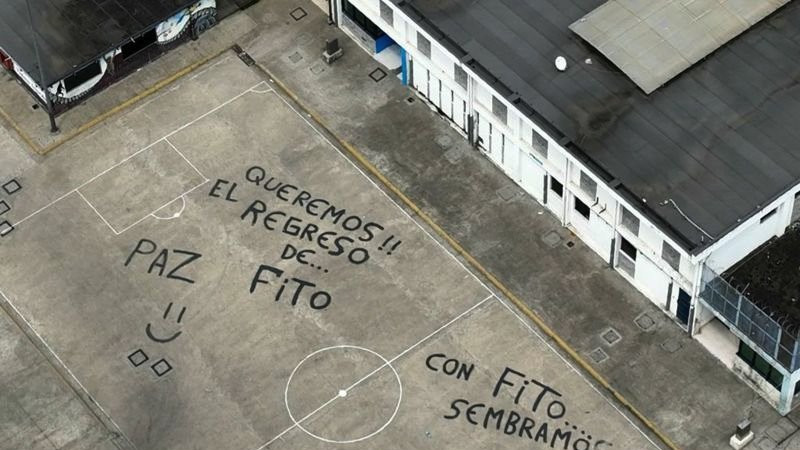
x=574, y=369
x=381, y=367
x=163, y=138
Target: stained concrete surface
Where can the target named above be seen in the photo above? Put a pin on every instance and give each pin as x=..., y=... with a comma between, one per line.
x=675, y=382
x=187, y=330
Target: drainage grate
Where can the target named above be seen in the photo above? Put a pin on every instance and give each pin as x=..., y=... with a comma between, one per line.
x=410, y=100
x=610, y=336
x=12, y=187
x=377, y=74
x=5, y=228
x=243, y=55
x=671, y=345
x=570, y=244
x=295, y=57
x=598, y=355
x=4, y=208
x=507, y=193
x=551, y=238
x=298, y=13
x=644, y=322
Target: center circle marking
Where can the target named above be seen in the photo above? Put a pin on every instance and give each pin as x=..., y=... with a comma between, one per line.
x=342, y=394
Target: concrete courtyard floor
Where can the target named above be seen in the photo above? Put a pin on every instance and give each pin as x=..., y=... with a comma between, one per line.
x=210, y=272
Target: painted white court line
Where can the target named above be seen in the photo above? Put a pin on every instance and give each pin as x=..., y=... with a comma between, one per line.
x=97, y=212
x=175, y=215
x=385, y=194
x=387, y=363
x=162, y=206
x=54, y=355
x=574, y=369
x=176, y=130
x=185, y=158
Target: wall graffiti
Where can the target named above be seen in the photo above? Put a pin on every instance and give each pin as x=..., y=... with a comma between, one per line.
x=544, y=416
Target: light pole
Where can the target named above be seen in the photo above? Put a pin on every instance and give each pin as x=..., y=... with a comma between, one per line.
x=42, y=82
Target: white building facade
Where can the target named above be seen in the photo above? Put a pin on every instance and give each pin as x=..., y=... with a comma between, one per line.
x=593, y=209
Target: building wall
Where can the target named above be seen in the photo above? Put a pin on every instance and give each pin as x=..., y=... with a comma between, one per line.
x=507, y=140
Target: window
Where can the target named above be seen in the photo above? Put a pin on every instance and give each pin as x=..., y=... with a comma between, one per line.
x=671, y=256
x=424, y=45
x=387, y=14
x=556, y=187
x=499, y=109
x=582, y=208
x=588, y=185
x=361, y=20
x=627, y=248
x=539, y=143
x=460, y=75
x=82, y=76
x=760, y=365
x=766, y=216
x=629, y=221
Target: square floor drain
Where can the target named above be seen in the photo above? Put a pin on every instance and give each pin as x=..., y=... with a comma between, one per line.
x=671, y=345
x=410, y=100
x=644, y=322
x=552, y=239
x=4, y=208
x=138, y=358
x=377, y=74
x=298, y=13
x=295, y=57
x=610, y=336
x=12, y=187
x=5, y=228
x=161, y=367
x=598, y=355
x=507, y=193
x=570, y=244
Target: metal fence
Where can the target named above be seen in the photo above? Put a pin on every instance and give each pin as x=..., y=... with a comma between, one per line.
x=757, y=325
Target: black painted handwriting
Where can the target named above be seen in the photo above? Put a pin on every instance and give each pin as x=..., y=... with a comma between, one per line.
x=218, y=187
x=180, y=258
x=439, y=362
x=296, y=287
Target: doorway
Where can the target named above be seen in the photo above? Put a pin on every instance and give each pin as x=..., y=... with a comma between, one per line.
x=684, y=305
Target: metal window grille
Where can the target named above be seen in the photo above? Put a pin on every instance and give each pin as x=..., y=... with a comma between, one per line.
x=423, y=45
x=387, y=14
x=499, y=109
x=671, y=256
x=460, y=76
x=588, y=185
x=630, y=222
x=539, y=143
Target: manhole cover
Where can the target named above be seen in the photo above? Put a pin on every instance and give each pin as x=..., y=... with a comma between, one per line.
x=551, y=238
x=507, y=193
x=598, y=355
x=298, y=13
x=295, y=57
x=671, y=345
x=453, y=155
x=611, y=336
x=317, y=69
x=644, y=321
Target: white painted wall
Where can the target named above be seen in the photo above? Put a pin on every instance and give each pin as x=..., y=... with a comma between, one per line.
x=755, y=234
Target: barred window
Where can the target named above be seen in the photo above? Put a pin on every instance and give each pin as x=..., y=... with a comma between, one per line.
x=629, y=221
x=424, y=45
x=671, y=256
x=539, y=143
x=499, y=109
x=460, y=75
x=588, y=185
x=387, y=14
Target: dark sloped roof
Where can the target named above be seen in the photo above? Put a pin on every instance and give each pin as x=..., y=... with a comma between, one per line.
x=720, y=140
x=73, y=33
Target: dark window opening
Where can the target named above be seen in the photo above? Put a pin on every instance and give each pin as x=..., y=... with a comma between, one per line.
x=761, y=365
x=556, y=187
x=140, y=43
x=82, y=76
x=582, y=208
x=626, y=247
x=766, y=216
x=361, y=20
